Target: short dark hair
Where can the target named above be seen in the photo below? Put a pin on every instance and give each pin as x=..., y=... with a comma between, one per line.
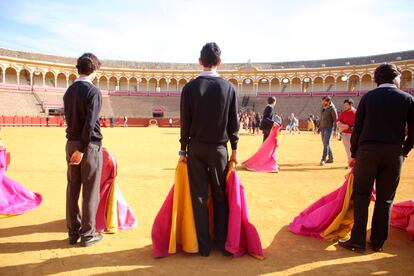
x=87, y=63
x=349, y=101
x=326, y=98
x=271, y=100
x=386, y=73
x=210, y=54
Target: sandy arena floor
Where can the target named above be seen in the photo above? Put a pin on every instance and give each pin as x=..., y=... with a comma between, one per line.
x=35, y=243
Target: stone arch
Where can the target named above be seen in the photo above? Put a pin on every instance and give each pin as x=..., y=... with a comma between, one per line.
x=61, y=80
x=123, y=83
x=354, y=83
x=406, y=79
x=181, y=84
x=174, y=85
x=318, y=84
x=296, y=85
x=103, y=83
x=263, y=85
x=113, y=83
x=275, y=85
x=24, y=77
x=50, y=79
x=366, y=82
x=248, y=85
x=11, y=75
x=162, y=84
x=152, y=85
x=133, y=84
x=329, y=83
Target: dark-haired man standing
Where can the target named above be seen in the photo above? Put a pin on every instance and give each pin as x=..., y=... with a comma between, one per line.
x=82, y=102
x=268, y=120
x=326, y=127
x=208, y=122
x=379, y=145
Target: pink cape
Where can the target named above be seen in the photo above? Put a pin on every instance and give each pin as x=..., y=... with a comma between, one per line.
x=112, y=204
x=402, y=216
x=15, y=199
x=317, y=217
x=242, y=237
x=264, y=160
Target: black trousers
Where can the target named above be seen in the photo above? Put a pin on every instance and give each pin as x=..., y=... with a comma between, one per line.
x=266, y=133
x=382, y=164
x=88, y=175
x=207, y=165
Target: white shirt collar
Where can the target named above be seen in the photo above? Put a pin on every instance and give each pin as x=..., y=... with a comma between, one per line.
x=84, y=79
x=387, y=85
x=212, y=73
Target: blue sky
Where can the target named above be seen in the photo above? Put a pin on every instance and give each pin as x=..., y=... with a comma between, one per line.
x=174, y=31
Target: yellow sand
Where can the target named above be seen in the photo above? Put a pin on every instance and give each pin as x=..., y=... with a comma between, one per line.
x=35, y=243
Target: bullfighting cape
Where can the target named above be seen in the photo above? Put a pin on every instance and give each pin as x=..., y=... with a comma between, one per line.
x=402, y=216
x=113, y=211
x=329, y=218
x=174, y=227
x=264, y=160
x=15, y=199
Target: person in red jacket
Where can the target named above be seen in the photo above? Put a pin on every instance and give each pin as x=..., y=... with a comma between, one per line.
x=346, y=122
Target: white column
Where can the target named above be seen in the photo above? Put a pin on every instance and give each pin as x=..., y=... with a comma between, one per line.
x=44, y=80
x=4, y=76
x=270, y=86
x=138, y=82
x=56, y=81
x=168, y=85
x=360, y=85
x=128, y=84
x=107, y=84
x=31, y=78
x=18, y=78
x=147, y=85
x=323, y=85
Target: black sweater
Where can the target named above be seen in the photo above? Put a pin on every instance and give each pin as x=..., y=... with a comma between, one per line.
x=82, y=102
x=381, y=118
x=209, y=112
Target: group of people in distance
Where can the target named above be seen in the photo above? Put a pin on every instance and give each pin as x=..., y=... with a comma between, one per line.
x=377, y=137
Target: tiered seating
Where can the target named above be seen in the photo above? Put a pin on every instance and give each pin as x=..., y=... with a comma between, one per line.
x=141, y=106
x=20, y=104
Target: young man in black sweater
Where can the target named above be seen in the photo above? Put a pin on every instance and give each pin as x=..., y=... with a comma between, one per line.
x=382, y=137
x=208, y=121
x=83, y=102
x=268, y=120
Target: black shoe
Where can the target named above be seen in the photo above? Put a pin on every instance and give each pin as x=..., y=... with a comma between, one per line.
x=73, y=239
x=329, y=161
x=351, y=246
x=89, y=241
x=226, y=253
x=374, y=248
x=204, y=254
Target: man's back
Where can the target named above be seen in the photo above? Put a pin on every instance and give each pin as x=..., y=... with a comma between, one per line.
x=385, y=112
x=209, y=111
x=82, y=102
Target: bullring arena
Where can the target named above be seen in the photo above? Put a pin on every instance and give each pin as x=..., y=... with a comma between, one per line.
x=35, y=243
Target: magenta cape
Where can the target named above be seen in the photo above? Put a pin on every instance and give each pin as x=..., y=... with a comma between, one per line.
x=402, y=216
x=242, y=237
x=15, y=199
x=113, y=211
x=264, y=160
x=328, y=218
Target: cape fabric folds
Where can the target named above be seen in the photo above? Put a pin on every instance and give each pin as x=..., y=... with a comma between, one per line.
x=329, y=218
x=174, y=227
x=15, y=199
x=264, y=160
x=113, y=211
x=402, y=216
